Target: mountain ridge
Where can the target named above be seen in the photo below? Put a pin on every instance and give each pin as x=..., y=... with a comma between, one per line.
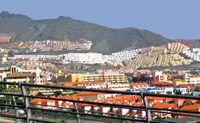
x=105, y=39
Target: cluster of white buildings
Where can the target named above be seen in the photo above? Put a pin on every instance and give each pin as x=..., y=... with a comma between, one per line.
x=36, y=57
x=48, y=45
x=93, y=58
x=85, y=58
x=122, y=56
x=194, y=54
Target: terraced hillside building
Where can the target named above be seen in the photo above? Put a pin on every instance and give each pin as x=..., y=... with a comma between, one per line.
x=160, y=56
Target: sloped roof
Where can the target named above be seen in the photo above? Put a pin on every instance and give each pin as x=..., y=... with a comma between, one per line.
x=193, y=107
x=165, y=105
x=20, y=75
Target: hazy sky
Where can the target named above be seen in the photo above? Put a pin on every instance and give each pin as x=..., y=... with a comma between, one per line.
x=171, y=18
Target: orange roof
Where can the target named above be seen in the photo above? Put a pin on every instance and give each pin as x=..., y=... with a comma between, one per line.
x=138, y=104
x=194, y=107
x=165, y=105
x=83, y=104
x=20, y=75
x=159, y=98
x=70, y=97
x=121, y=99
x=168, y=99
x=84, y=93
x=162, y=83
x=36, y=100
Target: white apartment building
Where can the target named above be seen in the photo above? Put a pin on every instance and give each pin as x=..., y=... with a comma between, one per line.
x=36, y=57
x=86, y=58
x=194, y=54
x=122, y=56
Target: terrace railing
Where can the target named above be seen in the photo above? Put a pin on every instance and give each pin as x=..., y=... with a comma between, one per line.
x=33, y=114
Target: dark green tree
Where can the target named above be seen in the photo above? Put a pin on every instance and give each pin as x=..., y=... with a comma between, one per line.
x=57, y=93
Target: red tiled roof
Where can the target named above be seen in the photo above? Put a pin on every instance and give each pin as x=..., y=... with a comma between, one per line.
x=165, y=105
x=194, y=107
x=83, y=93
x=20, y=75
x=162, y=83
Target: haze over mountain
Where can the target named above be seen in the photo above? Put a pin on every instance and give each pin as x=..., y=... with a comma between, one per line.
x=105, y=39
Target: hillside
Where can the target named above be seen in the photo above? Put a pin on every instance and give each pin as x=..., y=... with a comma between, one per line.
x=162, y=56
x=105, y=40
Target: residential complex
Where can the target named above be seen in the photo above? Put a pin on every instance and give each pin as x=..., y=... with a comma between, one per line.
x=73, y=65
x=49, y=45
x=194, y=54
x=84, y=58
x=167, y=55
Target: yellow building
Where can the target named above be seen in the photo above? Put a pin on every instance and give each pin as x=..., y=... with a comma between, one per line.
x=98, y=78
x=179, y=82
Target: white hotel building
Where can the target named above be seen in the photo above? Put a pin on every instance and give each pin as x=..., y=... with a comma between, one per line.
x=85, y=58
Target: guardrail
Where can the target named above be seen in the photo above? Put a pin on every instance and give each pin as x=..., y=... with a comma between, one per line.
x=79, y=114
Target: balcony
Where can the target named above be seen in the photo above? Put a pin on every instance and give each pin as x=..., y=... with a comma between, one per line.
x=120, y=106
